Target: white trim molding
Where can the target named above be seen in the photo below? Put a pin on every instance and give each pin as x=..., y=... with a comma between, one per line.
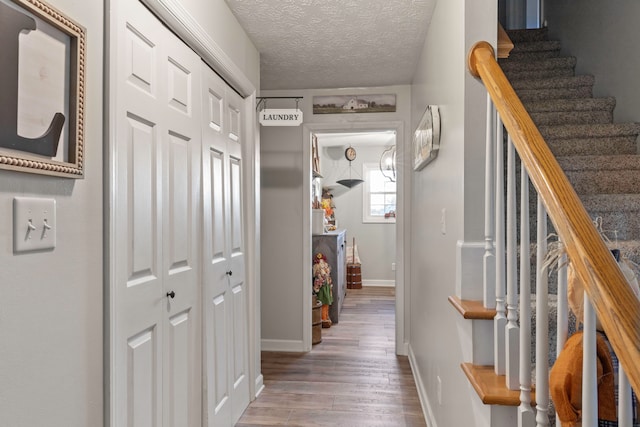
x=402, y=306
x=290, y=346
x=379, y=283
x=422, y=391
x=469, y=269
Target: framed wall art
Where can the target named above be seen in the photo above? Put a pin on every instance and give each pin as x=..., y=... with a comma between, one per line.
x=42, y=74
x=426, y=138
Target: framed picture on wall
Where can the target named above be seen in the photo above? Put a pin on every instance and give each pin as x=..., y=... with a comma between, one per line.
x=43, y=89
x=426, y=138
x=315, y=156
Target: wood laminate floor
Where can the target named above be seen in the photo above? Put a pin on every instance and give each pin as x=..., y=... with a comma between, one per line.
x=352, y=378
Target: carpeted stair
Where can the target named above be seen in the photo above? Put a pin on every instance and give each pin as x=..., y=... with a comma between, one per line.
x=599, y=157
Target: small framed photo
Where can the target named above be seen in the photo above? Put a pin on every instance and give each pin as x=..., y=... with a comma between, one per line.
x=426, y=138
x=42, y=94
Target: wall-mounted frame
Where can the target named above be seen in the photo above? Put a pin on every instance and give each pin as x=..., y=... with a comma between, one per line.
x=426, y=138
x=42, y=90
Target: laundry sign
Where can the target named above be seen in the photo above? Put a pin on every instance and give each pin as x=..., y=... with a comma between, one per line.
x=280, y=117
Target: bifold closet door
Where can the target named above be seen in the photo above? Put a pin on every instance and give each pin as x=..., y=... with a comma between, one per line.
x=225, y=296
x=157, y=340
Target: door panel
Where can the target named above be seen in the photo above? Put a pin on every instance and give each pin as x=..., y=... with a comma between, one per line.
x=216, y=254
x=180, y=233
x=157, y=337
x=225, y=307
x=142, y=366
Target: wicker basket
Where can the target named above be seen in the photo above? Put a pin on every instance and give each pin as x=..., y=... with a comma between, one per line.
x=316, y=321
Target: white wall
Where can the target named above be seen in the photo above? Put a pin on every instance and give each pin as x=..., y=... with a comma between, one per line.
x=282, y=216
x=604, y=38
x=51, y=306
x=453, y=184
x=222, y=26
x=376, y=242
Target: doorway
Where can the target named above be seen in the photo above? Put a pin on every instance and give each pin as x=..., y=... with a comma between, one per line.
x=384, y=261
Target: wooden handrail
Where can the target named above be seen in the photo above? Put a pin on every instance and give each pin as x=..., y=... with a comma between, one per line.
x=616, y=305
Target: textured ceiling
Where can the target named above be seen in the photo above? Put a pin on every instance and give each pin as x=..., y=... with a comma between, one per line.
x=308, y=44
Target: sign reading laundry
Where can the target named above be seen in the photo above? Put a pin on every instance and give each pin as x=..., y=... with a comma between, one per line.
x=280, y=117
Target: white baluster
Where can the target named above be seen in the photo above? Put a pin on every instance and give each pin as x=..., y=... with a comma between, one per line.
x=562, y=328
x=563, y=303
x=526, y=417
x=589, y=370
x=625, y=408
x=542, y=321
x=512, y=331
x=489, y=259
x=500, y=321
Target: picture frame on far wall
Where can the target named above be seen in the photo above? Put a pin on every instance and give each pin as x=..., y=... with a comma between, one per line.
x=42, y=90
x=426, y=138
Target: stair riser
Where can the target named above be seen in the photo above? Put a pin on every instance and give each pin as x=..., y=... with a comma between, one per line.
x=603, y=181
x=574, y=118
x=595, y=146
x=572, y=105
x=524, y=56
x=619, y=225
x=544, y=94
x=510, y=65
x=515, y=76
x=529, y=35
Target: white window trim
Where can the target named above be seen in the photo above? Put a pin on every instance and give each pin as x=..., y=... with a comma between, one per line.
x=366, y=218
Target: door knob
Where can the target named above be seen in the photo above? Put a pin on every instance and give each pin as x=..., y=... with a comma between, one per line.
x=171, y=294
x=229, y=273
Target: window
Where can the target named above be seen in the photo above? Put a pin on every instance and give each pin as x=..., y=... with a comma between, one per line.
x=379, y=196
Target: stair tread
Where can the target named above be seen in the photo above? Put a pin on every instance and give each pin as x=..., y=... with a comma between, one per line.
x=491, y=388
x=472, y=309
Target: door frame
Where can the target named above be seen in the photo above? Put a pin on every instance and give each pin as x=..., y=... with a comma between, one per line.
x=186, y=27
x=401, y=335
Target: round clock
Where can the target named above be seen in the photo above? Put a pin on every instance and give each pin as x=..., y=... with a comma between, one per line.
x=350, y=154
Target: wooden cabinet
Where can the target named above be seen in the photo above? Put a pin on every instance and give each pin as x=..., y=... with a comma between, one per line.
x=333, y=246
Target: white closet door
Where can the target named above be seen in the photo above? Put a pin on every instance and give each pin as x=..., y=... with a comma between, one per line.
x=157, y=339
x=225, y=301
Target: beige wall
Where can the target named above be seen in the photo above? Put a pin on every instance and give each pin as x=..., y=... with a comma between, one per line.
x=51, y=305
x=449, y=188
x=604, y=38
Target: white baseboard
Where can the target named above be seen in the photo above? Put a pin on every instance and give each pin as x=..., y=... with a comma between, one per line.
x=380, y=283
x=403, y=349
x=259, y=385
x=422, y=391
x=282, y=345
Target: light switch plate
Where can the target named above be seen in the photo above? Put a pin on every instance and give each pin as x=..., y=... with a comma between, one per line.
x=34, y=224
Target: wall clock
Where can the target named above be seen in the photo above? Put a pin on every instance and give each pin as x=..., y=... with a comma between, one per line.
x=426, y=138
x=350, y=154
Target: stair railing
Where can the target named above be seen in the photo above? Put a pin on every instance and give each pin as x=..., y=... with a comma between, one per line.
x=606, y=289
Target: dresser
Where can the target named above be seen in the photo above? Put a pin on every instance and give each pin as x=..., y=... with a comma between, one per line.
x=332, y=245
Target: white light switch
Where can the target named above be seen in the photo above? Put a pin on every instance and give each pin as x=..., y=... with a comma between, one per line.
x=34, y=224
